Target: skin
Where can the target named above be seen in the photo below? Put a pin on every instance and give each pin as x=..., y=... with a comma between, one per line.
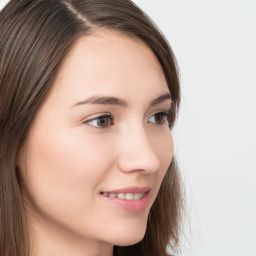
x=67, y=160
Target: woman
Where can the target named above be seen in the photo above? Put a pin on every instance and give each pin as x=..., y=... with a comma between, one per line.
x=89, y=93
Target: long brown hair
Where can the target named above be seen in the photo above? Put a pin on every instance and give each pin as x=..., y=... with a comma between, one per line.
x=35, y=36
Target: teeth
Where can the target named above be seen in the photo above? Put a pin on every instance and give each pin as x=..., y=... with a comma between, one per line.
x=126, y=196
x=138, y=196
x=129, y=196
x=121, y=196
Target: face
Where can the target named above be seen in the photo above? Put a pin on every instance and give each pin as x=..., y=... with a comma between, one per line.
x=100, y=145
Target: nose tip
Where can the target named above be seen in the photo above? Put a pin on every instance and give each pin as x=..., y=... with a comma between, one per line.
x=138, y=156
x=134, y=163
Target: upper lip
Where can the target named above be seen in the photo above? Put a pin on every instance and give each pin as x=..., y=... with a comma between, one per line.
x=133, y=189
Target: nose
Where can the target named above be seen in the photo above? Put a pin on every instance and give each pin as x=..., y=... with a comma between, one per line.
x=136, y=153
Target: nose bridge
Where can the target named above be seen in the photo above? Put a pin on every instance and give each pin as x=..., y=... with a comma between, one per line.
x=136, y=152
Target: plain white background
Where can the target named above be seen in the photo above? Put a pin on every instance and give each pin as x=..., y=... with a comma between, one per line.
x=215, y=141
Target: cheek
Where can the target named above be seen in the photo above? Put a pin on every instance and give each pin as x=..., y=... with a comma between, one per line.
x=62, y=173
x=65, y=154
x=163, y=147
x=162, y=143
x=63, y=167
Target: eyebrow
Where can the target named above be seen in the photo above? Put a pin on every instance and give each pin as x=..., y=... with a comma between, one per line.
x=160, y=99
x=119, y=102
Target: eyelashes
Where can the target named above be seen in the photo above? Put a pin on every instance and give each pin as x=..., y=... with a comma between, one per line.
x=158, y=118
x=106, y=120
x=102, y=121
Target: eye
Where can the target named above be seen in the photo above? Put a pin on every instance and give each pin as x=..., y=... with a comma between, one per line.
x=158, y=118
x=101, y=122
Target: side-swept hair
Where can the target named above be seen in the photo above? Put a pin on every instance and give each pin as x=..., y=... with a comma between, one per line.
x=35, y=36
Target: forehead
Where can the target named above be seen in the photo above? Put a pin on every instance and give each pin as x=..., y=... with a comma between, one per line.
x=110, y=62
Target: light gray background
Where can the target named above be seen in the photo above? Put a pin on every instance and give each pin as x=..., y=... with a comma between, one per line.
x=215, y=45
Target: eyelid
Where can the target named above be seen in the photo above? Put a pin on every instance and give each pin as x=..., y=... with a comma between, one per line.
x=98, y=116
x=163, y=113
x=168, y=114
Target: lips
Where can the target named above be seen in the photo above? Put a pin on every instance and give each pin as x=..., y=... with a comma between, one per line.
x=125, y=196
x=133, y=189
x=131, y=199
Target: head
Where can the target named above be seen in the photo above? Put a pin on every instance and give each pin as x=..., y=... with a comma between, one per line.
x=77, y=124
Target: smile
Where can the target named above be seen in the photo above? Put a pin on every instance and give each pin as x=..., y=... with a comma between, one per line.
x=125, y=196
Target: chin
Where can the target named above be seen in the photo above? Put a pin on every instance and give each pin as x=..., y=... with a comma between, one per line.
x=130, y=237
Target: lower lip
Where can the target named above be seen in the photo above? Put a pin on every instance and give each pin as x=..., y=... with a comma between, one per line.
x=129, y=205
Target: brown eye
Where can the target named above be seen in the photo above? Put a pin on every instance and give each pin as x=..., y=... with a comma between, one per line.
x=158, y=118
x=103, y=121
